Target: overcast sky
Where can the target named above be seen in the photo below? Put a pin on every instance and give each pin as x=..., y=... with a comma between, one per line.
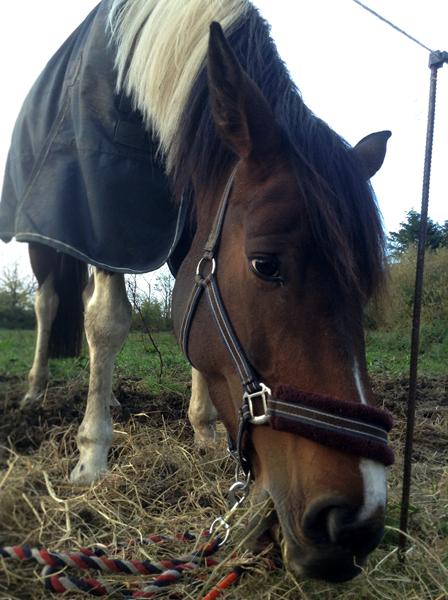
x=354, y=71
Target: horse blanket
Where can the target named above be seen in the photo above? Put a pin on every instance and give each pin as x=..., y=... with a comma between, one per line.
x=82, y=174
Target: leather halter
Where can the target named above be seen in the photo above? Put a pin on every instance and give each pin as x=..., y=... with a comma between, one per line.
x=355, y=428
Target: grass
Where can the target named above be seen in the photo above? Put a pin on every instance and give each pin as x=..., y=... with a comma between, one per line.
x=388, y=351
x=161, y=483
x=387, y=355
x=138, y=359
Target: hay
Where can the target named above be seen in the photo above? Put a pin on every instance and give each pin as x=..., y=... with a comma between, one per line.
x=160, y=483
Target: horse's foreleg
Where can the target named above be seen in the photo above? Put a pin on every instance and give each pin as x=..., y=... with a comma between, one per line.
x=107, y=322
x=201, y=412
x=45, y=306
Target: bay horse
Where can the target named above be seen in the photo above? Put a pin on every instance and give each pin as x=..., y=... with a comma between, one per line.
x=287, y=246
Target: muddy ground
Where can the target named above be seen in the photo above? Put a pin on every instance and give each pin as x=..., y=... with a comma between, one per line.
x=63, y=404
x=24, y=430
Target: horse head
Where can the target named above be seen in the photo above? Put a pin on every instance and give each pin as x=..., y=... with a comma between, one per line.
x=299, y=255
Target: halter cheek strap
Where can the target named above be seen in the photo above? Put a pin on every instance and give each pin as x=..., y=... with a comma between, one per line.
x=354, y=428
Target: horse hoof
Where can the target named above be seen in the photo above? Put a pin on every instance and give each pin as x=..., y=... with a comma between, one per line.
x=30, y=398
x=84, y=474
x=113, y=402
x=205, y=437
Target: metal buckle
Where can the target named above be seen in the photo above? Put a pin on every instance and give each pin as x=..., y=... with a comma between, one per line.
x=264, y=393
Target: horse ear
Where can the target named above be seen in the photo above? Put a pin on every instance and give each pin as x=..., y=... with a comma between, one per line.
x=371, y=151
x=242, y=116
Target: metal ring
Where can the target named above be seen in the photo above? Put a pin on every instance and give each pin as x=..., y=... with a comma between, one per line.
x=203, y=260
x=236, y=489
x=220, y=521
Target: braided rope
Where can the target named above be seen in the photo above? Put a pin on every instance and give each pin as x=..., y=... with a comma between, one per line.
x=167, y=571
x=225, y=582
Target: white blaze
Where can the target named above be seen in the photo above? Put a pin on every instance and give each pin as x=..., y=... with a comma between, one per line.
x=358, y=382
x=374, y=477
x=373, y=473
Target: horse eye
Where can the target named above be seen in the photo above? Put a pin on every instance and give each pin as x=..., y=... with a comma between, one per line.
x=266, y=267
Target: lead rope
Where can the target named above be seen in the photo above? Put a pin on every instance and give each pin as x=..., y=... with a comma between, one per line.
x=166, y=572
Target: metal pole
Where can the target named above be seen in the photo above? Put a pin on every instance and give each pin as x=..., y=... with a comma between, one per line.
x=436, y=60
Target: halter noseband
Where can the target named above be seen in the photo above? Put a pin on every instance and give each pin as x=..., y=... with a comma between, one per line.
x=349, y=426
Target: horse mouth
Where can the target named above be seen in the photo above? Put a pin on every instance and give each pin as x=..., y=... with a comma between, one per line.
x=303, y=560
x=326, y=564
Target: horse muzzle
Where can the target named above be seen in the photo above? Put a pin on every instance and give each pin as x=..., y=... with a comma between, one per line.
x=332, y=542
x=327, y=565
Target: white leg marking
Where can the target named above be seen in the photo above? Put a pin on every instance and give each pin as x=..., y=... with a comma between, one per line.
x=46, y=305
x=107, y=321
x=373, y=473
x=201, y=412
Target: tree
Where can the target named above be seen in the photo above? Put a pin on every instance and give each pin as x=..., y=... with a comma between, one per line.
x=150, y=311
x=164, y=288
x=150, y=315
x=444, y=229
x=409, y=232
x=16, y=299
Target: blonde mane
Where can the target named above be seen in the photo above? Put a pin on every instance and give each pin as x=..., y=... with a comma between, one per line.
x=161, y=46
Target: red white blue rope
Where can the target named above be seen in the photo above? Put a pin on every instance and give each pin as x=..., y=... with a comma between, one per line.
x=166, y=572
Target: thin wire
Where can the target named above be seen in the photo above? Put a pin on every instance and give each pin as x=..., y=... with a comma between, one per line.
x=392, y=25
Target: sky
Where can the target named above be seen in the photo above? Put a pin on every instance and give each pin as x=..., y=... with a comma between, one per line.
x=354, y=71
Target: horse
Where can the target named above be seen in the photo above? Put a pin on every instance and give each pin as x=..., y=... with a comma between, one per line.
x=285, y=248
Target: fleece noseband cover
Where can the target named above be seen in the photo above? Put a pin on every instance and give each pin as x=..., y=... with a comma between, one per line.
x=348, y=426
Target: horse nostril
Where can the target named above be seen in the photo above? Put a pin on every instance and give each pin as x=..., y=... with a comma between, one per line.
x=357, y=536
x=335, y=522
x=317, y=519
x=339, y=522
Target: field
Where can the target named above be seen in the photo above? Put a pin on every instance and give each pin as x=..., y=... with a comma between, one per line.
x=160, y=483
